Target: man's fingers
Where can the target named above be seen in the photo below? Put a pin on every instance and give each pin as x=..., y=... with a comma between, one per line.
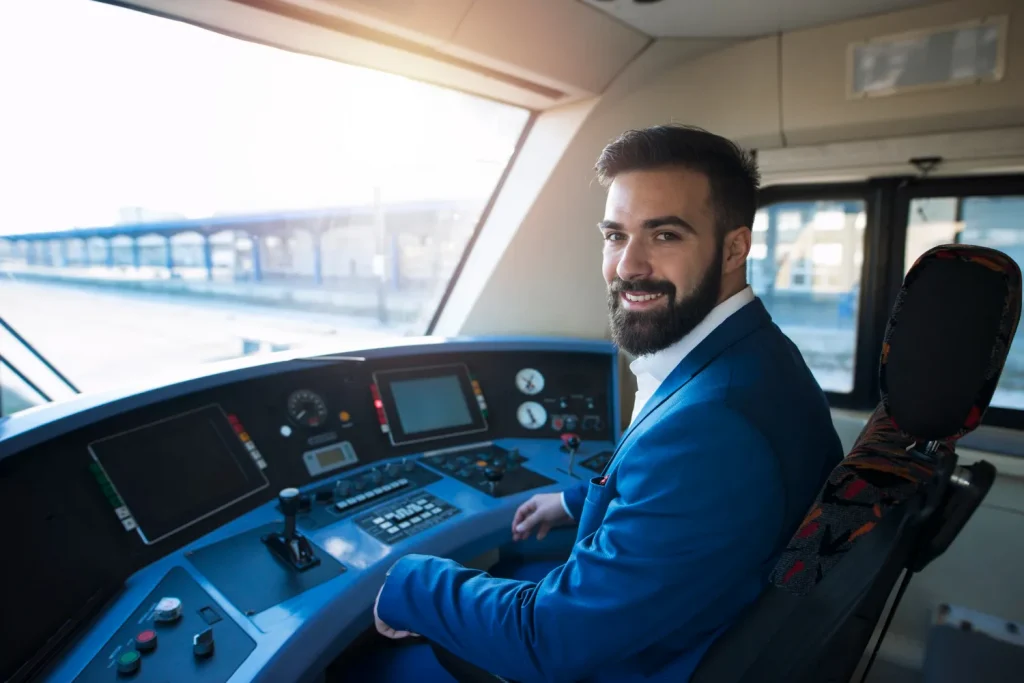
x=524, y=511
x=543, y=531
x=525, y=526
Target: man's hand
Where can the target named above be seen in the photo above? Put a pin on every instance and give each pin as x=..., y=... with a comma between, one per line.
x=383, y=628
x=543, y=511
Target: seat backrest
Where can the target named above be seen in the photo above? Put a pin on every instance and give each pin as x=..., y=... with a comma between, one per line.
x=898, y=499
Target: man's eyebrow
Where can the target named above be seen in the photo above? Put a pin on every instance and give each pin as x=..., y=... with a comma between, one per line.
x=651, y=224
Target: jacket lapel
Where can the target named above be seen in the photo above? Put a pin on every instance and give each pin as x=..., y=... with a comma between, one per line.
x=737, y=326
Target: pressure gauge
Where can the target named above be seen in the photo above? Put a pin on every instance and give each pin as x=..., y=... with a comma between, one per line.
x=532, y=415
x=529, y=381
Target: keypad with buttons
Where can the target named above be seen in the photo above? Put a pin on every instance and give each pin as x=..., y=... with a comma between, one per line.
x=405, y=517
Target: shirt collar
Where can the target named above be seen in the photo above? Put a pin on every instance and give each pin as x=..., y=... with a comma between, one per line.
x=660, y=364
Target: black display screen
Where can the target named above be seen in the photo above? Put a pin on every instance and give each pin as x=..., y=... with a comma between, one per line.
x=429, y=403
x=177, y=471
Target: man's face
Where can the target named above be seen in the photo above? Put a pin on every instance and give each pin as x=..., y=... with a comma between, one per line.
x=662, y=257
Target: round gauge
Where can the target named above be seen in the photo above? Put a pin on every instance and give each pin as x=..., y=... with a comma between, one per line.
x=307, y=408
x=532, y=415
x=529, y=381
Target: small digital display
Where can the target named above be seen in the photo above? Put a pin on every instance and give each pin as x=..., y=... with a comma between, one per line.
x=175, y=472
x=429, y=403
x=330, y=457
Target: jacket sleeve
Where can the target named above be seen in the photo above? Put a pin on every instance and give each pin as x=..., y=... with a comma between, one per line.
x=695, y=521
x=573, y=499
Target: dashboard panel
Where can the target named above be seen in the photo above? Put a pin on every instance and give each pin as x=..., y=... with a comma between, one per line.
x=281, y=489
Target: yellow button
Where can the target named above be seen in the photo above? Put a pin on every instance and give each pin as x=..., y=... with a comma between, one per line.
x=244, y=436
x=345, y=417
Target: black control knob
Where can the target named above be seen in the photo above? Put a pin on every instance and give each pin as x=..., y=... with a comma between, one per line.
x=408, y=465
x=392, y=469
x=573, y=442
x=376, y=476
x=493, y=475
x=342, y=489
x=202, y=643
x=289, y=500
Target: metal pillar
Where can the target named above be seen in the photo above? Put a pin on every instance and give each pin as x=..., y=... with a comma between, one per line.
x=208, y=256
x=318, y=257
x=169, y=255
x=257, y=268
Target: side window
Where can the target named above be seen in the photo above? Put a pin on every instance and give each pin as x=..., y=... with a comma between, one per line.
x=15, y=393
x=805, y=265
x=996, y=222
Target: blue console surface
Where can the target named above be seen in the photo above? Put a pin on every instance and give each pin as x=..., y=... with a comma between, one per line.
x=266, y=507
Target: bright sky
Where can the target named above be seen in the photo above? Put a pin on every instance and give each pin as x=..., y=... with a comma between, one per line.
x=105, y=108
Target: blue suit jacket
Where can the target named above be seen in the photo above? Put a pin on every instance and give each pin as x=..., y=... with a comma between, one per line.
x=703, y=494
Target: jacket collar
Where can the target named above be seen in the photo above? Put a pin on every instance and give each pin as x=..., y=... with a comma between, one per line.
x=731, y=331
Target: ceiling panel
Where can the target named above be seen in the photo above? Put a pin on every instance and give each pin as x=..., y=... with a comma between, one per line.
x=740, y=18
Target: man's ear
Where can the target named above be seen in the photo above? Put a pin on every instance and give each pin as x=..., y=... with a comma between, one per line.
x=735, y=249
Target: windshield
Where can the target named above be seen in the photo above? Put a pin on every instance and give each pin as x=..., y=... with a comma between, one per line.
x=173, y=196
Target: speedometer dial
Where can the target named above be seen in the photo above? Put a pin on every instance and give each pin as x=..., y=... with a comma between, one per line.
x=307, y=408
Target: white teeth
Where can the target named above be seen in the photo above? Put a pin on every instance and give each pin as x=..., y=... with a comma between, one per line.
x=641, y=297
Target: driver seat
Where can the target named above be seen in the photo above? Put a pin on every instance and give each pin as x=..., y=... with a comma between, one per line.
x=899, y=498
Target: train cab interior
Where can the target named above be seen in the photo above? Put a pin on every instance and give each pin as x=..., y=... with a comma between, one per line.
x=290, y=289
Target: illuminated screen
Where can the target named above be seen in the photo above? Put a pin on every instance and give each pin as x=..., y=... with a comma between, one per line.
x=175, y=472
x=425, y=405
x=429, y=403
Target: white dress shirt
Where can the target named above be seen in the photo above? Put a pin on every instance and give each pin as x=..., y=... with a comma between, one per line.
x=651, y=370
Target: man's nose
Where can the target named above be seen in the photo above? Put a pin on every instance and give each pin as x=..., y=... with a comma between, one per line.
x=634, y=262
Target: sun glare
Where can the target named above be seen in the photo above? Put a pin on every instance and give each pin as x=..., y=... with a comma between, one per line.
x=108, y=108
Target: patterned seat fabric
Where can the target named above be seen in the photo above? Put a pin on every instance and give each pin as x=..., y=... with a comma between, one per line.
x=880, y=472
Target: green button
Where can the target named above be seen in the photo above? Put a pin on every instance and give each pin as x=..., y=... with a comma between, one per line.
x=128, y=662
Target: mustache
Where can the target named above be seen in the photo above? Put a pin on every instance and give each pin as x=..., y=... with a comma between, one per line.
x=650, y=286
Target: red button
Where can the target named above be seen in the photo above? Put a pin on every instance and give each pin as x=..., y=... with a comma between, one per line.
x=145, y=641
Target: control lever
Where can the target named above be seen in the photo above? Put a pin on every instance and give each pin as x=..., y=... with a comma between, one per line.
x=572, y=445
x=291, y=546
x=493, y=476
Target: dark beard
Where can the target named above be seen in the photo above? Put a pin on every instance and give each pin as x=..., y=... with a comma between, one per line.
x=639, y=333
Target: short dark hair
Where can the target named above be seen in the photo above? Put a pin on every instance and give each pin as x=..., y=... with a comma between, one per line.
x=732, y=172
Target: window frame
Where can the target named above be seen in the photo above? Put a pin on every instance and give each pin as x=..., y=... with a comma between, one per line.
x=953, y=186
x=865, y=365
x=887, y=202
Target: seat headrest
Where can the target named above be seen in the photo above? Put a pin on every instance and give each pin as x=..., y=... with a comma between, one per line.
x=947, y=340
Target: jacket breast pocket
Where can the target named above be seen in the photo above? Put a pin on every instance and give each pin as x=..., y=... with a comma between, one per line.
x=599, y=494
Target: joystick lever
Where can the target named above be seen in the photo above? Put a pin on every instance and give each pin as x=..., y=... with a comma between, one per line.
x=571, y=445
x=493, y=476
x=289, y=545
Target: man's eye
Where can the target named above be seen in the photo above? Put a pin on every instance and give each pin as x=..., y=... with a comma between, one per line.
x=666, y=236
x=612, y=237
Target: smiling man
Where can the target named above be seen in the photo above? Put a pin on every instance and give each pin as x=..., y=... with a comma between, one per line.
x=730, y=441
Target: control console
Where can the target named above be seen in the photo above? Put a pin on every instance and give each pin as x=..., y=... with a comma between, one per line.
x=488, y=468
x=236, y=526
